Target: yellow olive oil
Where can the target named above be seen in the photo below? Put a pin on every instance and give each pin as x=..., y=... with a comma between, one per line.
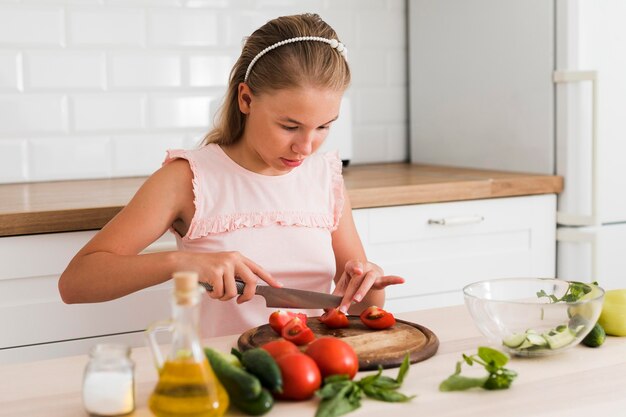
x=188, y=388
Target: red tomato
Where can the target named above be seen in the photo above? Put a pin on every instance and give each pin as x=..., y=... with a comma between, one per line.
x=334, y=319
x=279, y=318
x=333, y=356
x=301, y=376
x=298, y=332
x=377, y=318
x=278, y=348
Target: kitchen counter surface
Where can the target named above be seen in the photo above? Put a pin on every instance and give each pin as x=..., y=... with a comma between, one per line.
x=65, y=206
x=579, y=382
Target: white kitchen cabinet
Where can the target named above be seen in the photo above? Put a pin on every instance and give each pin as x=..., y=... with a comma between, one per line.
x=479, y=239
x=35, y=322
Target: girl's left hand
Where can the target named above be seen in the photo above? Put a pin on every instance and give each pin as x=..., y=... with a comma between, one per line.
x=358, y=278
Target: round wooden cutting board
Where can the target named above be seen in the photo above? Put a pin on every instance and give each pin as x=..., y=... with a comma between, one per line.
x=373, y=347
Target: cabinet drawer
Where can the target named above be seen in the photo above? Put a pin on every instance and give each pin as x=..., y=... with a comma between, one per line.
x=31, y=309
x=66, y=348
x=441, y=247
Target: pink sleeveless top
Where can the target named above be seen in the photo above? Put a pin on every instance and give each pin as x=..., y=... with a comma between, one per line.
x=283, y=223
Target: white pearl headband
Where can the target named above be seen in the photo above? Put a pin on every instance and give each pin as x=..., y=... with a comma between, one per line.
x=334, y=43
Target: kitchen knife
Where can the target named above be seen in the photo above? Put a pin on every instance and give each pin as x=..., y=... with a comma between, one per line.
x=288, y=297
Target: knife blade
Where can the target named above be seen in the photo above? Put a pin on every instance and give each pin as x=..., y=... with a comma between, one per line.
x=288, y=297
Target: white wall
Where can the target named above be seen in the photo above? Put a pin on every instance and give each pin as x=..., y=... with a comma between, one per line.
x=100, y=88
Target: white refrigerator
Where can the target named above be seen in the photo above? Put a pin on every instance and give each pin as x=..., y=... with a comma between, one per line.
x=532, y=86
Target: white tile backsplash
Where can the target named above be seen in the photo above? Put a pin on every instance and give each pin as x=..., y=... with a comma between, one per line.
x=180, y=112
x=55, y=158
x=210, y=70
x=181, y=27
x=13, y=160
x=106, y=26
x=108, y=111
x=133, y=70
x=61, y=70
x=31, y=25
x=100, y=88
x=140, y=154
x=31, y=113
x=10, y=71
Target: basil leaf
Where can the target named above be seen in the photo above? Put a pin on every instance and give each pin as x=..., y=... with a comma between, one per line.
x=342, y=403
x=386, y=395
x=335, y=378
x=468, y=360
x=404, y=368
x=492, y=356
x=371, y=378
x=498, y=381
x=457, y=382
x=386, y=382
x=332, y=389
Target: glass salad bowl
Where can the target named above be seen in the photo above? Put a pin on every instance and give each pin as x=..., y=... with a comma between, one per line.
x=534, y=316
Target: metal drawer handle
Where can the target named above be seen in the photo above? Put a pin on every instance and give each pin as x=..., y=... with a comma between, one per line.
x=457, y=220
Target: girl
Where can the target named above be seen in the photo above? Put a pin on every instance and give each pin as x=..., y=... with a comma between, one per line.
x=254, y=201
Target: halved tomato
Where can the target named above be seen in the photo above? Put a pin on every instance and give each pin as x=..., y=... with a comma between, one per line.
x=334, y=319
x=377, y=318
x=279, y=318
x=298, y=332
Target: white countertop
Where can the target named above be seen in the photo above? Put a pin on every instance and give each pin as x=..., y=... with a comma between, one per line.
x=580, y=382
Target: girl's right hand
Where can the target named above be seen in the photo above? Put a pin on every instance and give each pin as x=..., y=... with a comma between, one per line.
x=220, y=270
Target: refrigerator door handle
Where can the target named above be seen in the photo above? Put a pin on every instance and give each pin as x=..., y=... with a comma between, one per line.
x=573, y=219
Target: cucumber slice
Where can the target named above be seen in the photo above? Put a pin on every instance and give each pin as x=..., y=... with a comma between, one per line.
x=559, y=340
x=537, y=340
x=515, y=340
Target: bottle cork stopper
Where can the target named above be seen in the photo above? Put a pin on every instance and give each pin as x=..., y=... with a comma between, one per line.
x=185, y=286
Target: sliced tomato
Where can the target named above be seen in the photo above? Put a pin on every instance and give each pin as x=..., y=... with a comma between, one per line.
x=296, y=331
x=377, y=318
x=278, y=348
x=279, y=318
x=334, y=319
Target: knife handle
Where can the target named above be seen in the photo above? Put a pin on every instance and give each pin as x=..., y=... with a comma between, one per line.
x=239, y=283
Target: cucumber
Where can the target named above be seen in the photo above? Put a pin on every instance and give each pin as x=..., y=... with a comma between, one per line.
x=239, y=384
x=596, y=336
x=261, y=364
x=260, y=405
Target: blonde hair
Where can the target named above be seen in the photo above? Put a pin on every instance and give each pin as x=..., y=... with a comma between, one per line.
x=293, y=65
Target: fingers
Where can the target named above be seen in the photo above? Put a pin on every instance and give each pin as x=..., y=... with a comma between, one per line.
x=349, y=283
x=262, y=273
x=387, y=280
x=250, y=279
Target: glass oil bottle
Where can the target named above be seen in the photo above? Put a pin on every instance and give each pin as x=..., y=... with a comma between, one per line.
x=187, y=385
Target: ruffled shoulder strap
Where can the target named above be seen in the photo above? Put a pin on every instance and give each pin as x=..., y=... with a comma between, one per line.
x=337, y=187
x=173, y=154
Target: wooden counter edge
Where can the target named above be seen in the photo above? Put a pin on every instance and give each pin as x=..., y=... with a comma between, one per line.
x=436, y=187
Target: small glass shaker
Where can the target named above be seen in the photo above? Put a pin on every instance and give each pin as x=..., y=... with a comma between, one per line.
x=109, y=381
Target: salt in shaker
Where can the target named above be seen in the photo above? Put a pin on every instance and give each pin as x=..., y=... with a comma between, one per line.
x=108, y=381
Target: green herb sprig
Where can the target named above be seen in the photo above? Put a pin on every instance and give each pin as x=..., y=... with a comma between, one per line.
x=340, y=395
x=493, y=361
x=575, y=291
